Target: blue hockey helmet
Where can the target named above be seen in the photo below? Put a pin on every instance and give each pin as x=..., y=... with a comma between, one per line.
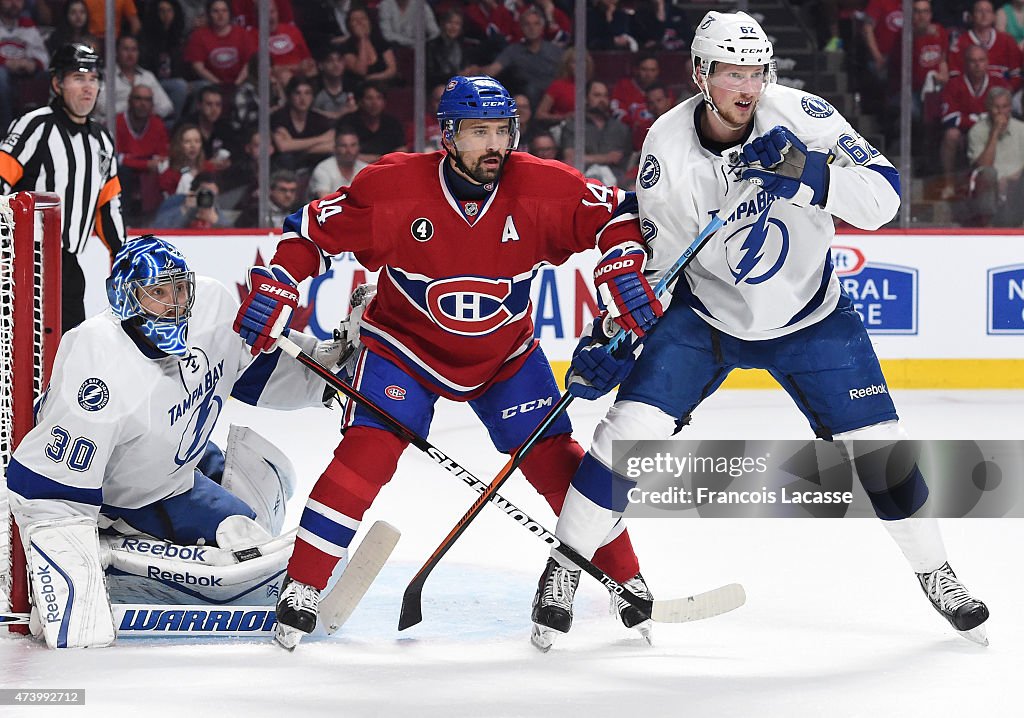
x=142, y=264
x=479, y=97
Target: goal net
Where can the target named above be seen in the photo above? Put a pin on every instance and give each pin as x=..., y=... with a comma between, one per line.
x=30, y=255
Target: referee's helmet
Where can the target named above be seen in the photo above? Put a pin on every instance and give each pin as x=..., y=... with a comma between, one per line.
x=74, y=57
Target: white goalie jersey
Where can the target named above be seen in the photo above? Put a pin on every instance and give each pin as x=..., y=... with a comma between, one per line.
x=116, y=428
x=768, y=271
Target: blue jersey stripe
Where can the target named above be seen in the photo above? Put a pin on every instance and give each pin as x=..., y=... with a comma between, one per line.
x=29, y=485
x=328, y=530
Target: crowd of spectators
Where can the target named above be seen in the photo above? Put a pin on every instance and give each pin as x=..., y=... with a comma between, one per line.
x=186, y=100
x=966, y=92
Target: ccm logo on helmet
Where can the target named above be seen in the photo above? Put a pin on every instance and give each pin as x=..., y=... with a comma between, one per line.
x=627, y=263
x=271, y=289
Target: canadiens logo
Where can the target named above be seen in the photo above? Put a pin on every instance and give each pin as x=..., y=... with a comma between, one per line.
x=395, y=392
x=816, y=107
x=469, y=306
x=93, y=395
x=651, y=172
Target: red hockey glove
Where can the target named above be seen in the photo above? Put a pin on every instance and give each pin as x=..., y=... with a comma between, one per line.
x=265, y=313
x=624, y=290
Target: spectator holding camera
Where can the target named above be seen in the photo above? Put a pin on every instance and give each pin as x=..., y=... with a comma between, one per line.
x=195, y=209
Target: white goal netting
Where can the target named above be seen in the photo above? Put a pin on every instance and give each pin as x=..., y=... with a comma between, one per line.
x=27, y=339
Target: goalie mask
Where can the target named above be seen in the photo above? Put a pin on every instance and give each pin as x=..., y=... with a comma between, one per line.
x=734, y=39
x=475, y=98
x=152, y=287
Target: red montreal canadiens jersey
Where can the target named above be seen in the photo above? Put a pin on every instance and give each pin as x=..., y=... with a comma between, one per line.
x=453, y=296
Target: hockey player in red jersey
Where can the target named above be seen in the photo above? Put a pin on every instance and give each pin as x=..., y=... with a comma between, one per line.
x=457, y=236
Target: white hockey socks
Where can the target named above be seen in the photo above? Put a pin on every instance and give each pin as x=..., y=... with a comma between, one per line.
x=921, y=542
x=69, y=595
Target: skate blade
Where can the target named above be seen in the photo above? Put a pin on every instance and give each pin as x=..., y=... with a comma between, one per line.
x=976, y=635
x=542, y=638
x=287, y=637
x=644, y=629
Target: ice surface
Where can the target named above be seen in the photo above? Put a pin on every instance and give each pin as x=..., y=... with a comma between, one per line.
x=835, y=624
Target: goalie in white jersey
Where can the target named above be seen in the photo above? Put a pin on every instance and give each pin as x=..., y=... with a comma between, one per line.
x=761, y=294
x=121, y=444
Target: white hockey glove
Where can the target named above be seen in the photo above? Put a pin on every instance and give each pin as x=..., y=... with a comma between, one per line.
x=339, y=354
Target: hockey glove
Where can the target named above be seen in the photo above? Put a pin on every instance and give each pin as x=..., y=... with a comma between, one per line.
x=624, y=290
x=780, y=162
x=340, y=353
x=265, y=313
x=595, y=370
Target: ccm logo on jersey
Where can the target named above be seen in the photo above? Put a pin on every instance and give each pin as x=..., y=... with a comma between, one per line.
x=395, y=392
x=525, y=407
x=469, y=306
x=281, y=291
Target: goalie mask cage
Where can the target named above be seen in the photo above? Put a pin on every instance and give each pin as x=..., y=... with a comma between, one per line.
x=30, y=316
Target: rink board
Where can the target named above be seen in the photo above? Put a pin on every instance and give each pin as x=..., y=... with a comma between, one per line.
x=944, y=310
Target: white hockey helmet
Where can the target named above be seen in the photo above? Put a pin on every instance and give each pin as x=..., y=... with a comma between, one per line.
x=735, y=38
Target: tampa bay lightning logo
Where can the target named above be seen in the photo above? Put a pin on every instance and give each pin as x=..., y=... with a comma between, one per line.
x=650, y=173
x=93, y=395
x=765, y=238
x=197, y=432
x=816, y=107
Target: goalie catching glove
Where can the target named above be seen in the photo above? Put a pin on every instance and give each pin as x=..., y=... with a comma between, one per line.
x=624, y=290
x=595, y=370
x=265, y=313
x=780, y=162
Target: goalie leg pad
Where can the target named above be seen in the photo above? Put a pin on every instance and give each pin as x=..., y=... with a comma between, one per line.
x=259, y=474
x=68, y=590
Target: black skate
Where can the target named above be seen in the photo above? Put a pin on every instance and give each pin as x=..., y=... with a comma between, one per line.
x=949, y=597
x=630, y=615
x=296, y=612
x=552, y=605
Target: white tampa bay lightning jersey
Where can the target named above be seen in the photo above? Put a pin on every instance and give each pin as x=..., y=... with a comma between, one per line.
x=116, y=428
x=768, y=271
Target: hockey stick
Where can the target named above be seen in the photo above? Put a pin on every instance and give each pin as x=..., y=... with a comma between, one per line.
x=366, y=562
x=678, y=610
x=412, y=611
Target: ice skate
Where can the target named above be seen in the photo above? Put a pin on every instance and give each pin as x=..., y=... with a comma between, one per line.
x=296, y=612
x=552, y=605
x=949, y=597
x=630, y=615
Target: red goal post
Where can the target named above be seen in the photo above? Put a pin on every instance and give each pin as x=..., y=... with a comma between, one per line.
x=30, y=329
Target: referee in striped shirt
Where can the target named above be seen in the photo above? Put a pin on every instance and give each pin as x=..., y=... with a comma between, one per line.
x=59, y=149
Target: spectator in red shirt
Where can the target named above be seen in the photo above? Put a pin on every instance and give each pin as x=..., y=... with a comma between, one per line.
x=931, y=44
x=23, y=58
x=219, y=52
x=557, y=25
x=186, y=160
x=289, y=54
x=629, y=97
x=492, y=25
x=883, y=24
x=1004, y=57
x=142, y=146
x=963, y=100
x=559, y=101
x=659, y=100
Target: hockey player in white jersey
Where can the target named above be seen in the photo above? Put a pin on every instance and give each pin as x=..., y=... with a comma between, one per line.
x=122, y=433
x=761, y=294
